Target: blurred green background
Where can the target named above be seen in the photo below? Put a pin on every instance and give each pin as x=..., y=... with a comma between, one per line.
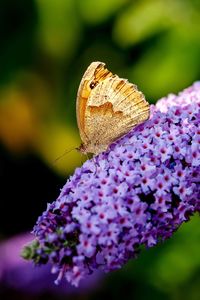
x=45, y=46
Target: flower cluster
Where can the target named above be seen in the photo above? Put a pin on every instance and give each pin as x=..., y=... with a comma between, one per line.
x=136, y=193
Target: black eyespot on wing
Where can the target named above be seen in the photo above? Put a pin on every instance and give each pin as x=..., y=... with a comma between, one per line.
x=93, y=84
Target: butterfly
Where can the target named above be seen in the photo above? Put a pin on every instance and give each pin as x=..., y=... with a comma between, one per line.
x=107, y=107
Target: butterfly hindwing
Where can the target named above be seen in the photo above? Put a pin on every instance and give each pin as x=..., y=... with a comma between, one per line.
x=114, y=107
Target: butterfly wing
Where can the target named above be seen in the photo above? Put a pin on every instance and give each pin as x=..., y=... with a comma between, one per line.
x=114, y=106
x=95, y=74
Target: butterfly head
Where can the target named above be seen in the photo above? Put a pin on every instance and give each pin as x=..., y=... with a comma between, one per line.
x=82, y=149
x=91, y=148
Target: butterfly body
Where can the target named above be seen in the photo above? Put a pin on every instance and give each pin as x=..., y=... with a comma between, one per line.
x=107, y=108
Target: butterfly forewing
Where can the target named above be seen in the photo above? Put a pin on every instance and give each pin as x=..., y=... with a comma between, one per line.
x=95, y=73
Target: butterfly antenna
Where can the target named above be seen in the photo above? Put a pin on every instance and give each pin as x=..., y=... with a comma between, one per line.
x=66, y=152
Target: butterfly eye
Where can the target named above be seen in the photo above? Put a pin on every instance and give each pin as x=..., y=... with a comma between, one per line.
x=93, y=84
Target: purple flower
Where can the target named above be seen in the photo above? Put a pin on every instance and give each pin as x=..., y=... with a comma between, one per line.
x=136, y=193
x=18, y=274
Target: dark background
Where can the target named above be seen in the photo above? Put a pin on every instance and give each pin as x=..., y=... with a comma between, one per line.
x=45, y=46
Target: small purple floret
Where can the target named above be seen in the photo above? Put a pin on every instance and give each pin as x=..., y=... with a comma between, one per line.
x=136, y=193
